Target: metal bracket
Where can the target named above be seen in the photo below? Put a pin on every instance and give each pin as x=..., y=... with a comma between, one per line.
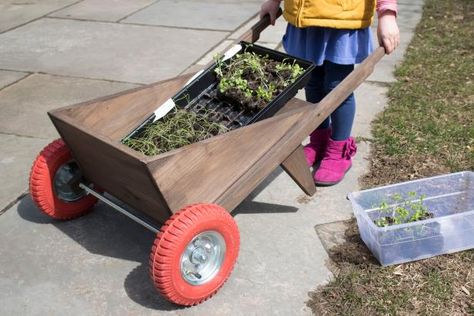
x=118, y=208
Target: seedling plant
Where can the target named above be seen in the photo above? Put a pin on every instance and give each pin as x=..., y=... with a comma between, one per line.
x=178, y=128
x=403, y=210
x=251, y=81
x=247, y=82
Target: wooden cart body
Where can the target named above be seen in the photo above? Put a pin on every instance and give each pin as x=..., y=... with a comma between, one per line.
x=191, y=188
x=223, y=169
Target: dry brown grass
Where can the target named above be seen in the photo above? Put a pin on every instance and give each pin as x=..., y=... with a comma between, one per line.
x=427, y=129
x=443, y=285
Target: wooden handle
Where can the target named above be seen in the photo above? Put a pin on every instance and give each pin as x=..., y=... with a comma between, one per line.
x=253, y=34
x=352, y=81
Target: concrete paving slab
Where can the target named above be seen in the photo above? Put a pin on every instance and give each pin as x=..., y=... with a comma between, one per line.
x=417, y=3
x=23, y=106
x=408, y=16
x=407, y=19
x=384, y=71
x=245, y=27
x=272, y=34
x=209, y=57
x=226, y=15
x=73, y=266
x=104, y=10
x=9, y=77
x=98, y=264
x=14, y=13
x=370, y=98
x=128, y=53
x=331, y=234
x=193, y=69
x=16, y=157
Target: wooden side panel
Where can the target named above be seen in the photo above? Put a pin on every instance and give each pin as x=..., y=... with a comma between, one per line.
x=203, y=171
x=296, y=167
x=115, y=116
x=223, y=169
x=113, y=169
x=242, y=187
x=311, y=115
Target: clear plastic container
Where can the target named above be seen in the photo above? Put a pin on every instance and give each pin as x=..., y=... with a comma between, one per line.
x=449, y=197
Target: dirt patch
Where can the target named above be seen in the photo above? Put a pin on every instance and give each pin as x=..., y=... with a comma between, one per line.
x=428, y=127
x=385, y=169
x=353, y=251
x=303, y=199
x=427, y=130
x=442, y=285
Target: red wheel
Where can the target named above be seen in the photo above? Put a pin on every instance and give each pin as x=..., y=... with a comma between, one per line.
x=194, y=253
x=54, y=183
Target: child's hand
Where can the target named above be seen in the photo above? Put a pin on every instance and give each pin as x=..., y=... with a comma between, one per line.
x=270, y=7
x=387, y=31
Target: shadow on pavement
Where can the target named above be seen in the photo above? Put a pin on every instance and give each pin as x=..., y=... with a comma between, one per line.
x=253, y=207
x=141, y=290
x=108, y=233
x=248, y=206
x=102, y=231
x=28, y=211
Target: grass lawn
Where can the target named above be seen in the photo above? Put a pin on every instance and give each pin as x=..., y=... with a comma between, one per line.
x=427, y=129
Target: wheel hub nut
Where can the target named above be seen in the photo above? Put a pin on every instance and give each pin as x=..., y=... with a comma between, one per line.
x=203, y=257
x=199, y=256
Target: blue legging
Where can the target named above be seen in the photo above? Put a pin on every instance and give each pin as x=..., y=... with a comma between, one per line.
x=323, y=79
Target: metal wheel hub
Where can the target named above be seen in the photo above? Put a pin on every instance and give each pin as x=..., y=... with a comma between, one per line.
x=203, y=257
x=66, y=182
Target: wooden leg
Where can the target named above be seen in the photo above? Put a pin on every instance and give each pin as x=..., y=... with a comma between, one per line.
x=296, y=167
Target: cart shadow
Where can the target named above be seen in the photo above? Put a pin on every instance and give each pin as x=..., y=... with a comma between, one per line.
x=102, y=231
x=254, y=207
x=108, y=233
x=248, y=206
x=140, y=289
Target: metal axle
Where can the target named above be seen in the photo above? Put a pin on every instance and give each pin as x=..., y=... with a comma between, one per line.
x=118, y=207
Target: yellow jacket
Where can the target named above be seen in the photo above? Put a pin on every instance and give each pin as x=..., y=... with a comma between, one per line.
x=339, y=14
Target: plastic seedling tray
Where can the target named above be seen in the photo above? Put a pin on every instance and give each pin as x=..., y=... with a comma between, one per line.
x=197, y=95
x=449, y=197
x=193, y=92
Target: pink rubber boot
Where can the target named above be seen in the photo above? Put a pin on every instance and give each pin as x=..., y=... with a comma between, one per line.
x=336, y=162
x=318, y=141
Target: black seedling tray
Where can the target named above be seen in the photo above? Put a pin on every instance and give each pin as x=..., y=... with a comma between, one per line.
x=200, y=95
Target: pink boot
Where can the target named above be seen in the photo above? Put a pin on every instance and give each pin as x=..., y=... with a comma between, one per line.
x=336, y=162
x=318, y=141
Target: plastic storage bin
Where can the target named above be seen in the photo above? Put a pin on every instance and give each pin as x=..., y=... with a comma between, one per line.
x=449, y=197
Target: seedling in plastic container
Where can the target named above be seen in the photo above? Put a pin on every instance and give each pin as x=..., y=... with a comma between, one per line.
x=403, y=210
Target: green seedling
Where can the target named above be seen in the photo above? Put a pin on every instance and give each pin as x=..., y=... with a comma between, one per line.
x=254, y=80
x=403, y=210
x=178, y=128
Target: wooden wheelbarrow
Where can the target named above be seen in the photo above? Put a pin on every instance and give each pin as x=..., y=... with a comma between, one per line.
x=188, y=191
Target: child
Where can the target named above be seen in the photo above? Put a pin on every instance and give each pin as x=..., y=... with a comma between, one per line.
x=335, y=35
